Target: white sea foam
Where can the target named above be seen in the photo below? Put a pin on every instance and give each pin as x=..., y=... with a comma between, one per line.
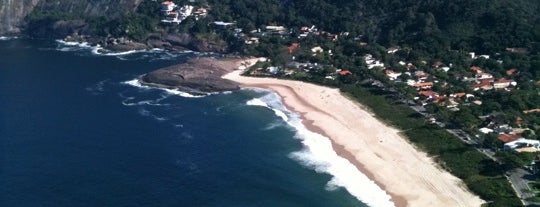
x=98, y=88
x=4, y=38
x=278, y=109
x=98, y=50
x=319, y=154
x=137, y=83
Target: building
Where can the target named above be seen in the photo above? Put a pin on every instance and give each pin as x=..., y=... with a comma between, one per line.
x=484, y=85
x=317, y=49
x=223, y=25
x=423, y=85
x=167, y=6
x=392, y=75
x=503, y=83
x=276, y=29
x=523, y=145
x=506, y=138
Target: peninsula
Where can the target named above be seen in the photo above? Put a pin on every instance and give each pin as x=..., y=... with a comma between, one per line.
x=198, y=76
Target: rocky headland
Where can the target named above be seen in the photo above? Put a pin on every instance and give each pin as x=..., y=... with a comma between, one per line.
x=171, y=42
x=198, y=76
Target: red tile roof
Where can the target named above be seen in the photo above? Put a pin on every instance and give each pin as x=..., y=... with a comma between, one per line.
x=345, y=72
x=511, y=71
x=508, y=137
x=293, y=47
x=423, y=84
x=476, y=69
x=428, y=93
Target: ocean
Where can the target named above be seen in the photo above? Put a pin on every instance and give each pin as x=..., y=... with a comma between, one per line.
x=77, y=130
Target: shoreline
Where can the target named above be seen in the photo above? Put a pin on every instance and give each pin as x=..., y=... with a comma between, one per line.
x=374, y=148
x=398, y=200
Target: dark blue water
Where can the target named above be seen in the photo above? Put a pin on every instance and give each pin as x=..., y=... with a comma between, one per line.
x=73, y=134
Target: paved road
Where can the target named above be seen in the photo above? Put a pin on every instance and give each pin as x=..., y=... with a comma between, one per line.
x=519, y=179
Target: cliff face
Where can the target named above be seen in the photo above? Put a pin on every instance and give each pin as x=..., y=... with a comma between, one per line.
x=13, y=12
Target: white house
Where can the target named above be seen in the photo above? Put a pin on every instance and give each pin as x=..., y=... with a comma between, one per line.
x=503, y=83
x=392, y=75
x=317, y=49
x=523, y=143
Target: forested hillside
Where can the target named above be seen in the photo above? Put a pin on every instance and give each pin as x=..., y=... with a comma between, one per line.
x=480, y=25
x=429, y=25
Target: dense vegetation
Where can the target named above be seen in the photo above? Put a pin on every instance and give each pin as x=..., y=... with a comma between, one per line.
x=472, y=25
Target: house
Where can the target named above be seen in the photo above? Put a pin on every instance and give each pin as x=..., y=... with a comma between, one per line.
x=172, y=17
x=523, y=145
x=252, y=40
x=317, y=49
x=200, y=12
x=274, y=70
x=511, y=71
x=505, y=138
x=476, y=69
x=482, y=76
x=483, y=56
x=503, y=83
x=531, y=111
x=429, y=94
x=519, y=121
x=423, y=85
x=392, y=75
x=436, y=64
x=410, y=66
x=486, y=130
x=517, y=50
x=392, y=50
x=484, y=85
x=293, y=47
x=458, y=95
x=167, y=6
x=276, y=29
x=345, y=73
x=421, y=75
x=445, y=68
x=223, y=25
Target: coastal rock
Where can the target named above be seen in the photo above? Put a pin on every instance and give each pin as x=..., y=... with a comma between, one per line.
x=126, y=46
x=66, y=27
x=200, y=44
x=197, y=76
x=158, y=43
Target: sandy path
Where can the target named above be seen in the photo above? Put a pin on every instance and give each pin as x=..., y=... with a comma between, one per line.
x=409, y=176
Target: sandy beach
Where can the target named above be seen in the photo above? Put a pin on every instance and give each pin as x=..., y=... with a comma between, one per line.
x=409, y=176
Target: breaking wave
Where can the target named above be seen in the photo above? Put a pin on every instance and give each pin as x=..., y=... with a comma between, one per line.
x=98, y=50
x=4, y=38
x=137, y=83
x=319, y=155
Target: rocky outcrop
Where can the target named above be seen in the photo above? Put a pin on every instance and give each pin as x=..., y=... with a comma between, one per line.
x=12, y=14
x=198, y=76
